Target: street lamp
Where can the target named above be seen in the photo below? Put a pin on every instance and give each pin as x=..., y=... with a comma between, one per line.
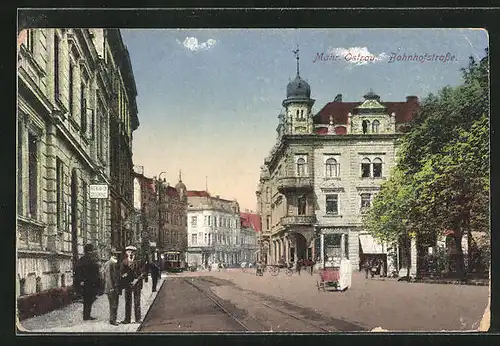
x=160, y=233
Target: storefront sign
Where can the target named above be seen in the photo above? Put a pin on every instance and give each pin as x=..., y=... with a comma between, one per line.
x=99, y=191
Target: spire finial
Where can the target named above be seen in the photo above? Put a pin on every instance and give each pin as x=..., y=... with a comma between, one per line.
x=296, y=52
x=180, y=176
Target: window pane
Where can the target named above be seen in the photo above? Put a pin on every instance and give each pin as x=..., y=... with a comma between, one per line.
x=332, y=204
x=33, y=175
x=377, y=170
x=365, y=170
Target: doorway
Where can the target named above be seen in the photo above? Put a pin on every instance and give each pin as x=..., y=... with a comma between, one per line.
x=301, y=246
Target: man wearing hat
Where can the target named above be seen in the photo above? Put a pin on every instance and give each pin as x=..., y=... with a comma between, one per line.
x=87, y=279
x=131, y=278
x=111, y=276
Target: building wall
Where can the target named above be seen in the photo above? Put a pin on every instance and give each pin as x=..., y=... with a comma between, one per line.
x=219, y=242
x=72, y=143
x=66, y=147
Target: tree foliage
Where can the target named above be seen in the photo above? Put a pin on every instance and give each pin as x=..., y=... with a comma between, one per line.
x=441, y=180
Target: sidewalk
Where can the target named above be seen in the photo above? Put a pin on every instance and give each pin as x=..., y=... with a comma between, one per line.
x=69, y=319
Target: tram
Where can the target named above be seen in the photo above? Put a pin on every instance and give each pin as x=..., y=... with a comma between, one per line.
x=172, y=261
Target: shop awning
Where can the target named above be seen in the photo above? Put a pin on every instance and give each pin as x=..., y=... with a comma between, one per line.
x=369, y=245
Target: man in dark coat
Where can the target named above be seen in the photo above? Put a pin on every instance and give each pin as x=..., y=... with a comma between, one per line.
x=111, y=276
x=131, y=275
x=155, y=274
x=87, y=279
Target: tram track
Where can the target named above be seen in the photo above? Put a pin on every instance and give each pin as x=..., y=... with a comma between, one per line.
x=275, y=308
x=217, y=303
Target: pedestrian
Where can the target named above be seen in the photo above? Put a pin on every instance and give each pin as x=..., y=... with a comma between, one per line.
x=131, y=282
x=155, y=274
x=299, y=266
x=87, y=279
x=111, y=271
x=145, y=269
x=366, y=267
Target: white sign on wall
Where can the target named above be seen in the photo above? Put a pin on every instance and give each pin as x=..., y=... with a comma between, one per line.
x=98, y=191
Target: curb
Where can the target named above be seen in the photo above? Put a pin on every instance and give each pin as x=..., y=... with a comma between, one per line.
x=150, y=305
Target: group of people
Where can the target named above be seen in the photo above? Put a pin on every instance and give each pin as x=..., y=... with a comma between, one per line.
x=307, y=263
x=122, y=272
x=373, y=267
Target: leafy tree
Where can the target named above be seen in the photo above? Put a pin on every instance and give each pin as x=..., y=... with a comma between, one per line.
x=441, y=180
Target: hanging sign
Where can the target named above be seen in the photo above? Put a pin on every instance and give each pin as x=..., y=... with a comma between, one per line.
x=99, y=191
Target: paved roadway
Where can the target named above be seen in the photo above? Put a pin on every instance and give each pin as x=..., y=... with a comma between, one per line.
x=244, y=301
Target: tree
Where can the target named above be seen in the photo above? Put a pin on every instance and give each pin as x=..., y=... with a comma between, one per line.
x=441, y=180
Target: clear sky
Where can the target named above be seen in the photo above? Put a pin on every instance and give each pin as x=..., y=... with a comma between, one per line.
x=208, y=99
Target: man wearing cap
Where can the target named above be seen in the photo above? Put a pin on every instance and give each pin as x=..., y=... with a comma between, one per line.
x=111, y=274
x=131, y=278
x=87, y=279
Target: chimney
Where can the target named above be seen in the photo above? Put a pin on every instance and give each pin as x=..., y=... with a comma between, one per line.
x=412, y=98
x=217, y=196
x=338, y=98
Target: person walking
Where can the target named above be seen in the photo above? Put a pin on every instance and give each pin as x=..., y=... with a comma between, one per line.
x=299, y=265
x=131, y=282
x=155, y=275
x=146, y=269
x=111, y=271
x=366, y=267
x=87, y=279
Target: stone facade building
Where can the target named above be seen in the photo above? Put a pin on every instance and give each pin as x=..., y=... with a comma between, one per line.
x=323, y=173
x=172, y=233
x=249, y=230
x=148, y=209
x=67, y=82
x=213, y=230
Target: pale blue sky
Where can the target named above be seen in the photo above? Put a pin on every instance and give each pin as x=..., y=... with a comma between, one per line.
x=209, y=108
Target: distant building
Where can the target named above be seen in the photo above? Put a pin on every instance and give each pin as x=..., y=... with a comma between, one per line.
x=172, y=233
x=249, y=235
x=148, y=208
x=323, y=173
x=213, y=229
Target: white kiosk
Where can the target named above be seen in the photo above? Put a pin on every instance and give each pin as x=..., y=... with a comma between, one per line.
x=336, y=273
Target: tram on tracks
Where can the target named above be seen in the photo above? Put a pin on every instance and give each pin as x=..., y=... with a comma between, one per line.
x=173, y=261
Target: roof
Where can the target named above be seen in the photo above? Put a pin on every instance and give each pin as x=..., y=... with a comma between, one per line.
x=193, y=193
x=170, y=191
x=251, y=220
x=339, y=111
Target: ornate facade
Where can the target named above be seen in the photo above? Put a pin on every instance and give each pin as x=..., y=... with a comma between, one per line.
x=323, y=173
x=213, y=230
x=66, y=99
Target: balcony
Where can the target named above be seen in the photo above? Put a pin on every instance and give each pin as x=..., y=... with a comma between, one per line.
x=298, y=220
x=295, y=184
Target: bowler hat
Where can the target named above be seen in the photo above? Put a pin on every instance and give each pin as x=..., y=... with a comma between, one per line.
x=88, y=248
x=131, y=247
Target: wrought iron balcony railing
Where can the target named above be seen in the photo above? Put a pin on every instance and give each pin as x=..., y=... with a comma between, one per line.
x=297, y=220
x=295, y=184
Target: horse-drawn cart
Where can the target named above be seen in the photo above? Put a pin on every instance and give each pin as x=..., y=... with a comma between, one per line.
x=335, y=275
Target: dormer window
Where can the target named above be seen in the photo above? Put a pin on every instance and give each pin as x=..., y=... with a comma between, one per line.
x=366, y=125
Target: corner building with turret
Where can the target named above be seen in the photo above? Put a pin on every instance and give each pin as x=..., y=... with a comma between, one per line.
x=322, y=175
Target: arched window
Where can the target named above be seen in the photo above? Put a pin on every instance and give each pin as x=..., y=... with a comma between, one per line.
x=365, y=168
x=297, y=114
x=366, y=125
x=377, y=168
x=375, y=126
x=301, y=167
x=332, y=168
x=302, y=205
x=301, y=114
